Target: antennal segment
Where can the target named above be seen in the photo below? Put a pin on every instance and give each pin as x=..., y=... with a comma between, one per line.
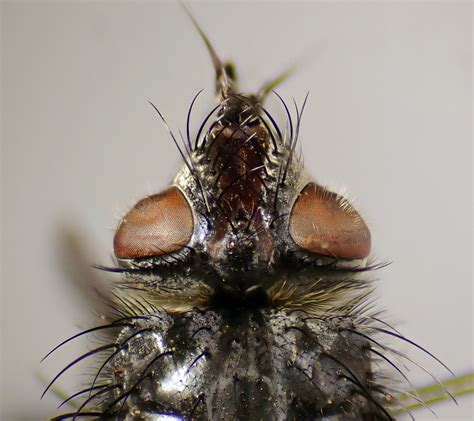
x=224, y=82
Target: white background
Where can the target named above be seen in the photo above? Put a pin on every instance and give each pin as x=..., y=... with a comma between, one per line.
x=389, y=117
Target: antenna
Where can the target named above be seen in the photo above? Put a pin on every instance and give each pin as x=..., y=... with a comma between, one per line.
x=224, y=83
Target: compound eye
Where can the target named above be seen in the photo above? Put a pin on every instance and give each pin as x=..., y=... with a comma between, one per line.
x=325, y=223
x=157, y=225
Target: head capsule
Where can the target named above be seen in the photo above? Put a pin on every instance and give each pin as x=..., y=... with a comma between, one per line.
x=242, y=201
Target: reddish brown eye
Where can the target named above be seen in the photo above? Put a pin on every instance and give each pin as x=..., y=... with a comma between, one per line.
x=157, y=225
x=325, y=223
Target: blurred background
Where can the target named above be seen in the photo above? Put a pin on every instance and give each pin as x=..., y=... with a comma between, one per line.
x=389, y=117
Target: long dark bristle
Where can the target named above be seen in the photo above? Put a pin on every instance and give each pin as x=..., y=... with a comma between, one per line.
x=188, y=120
x=96, y=415
x=77, y=360
x=403, y=338
x=85, y=332
x=97, y=394
x=82, y=392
